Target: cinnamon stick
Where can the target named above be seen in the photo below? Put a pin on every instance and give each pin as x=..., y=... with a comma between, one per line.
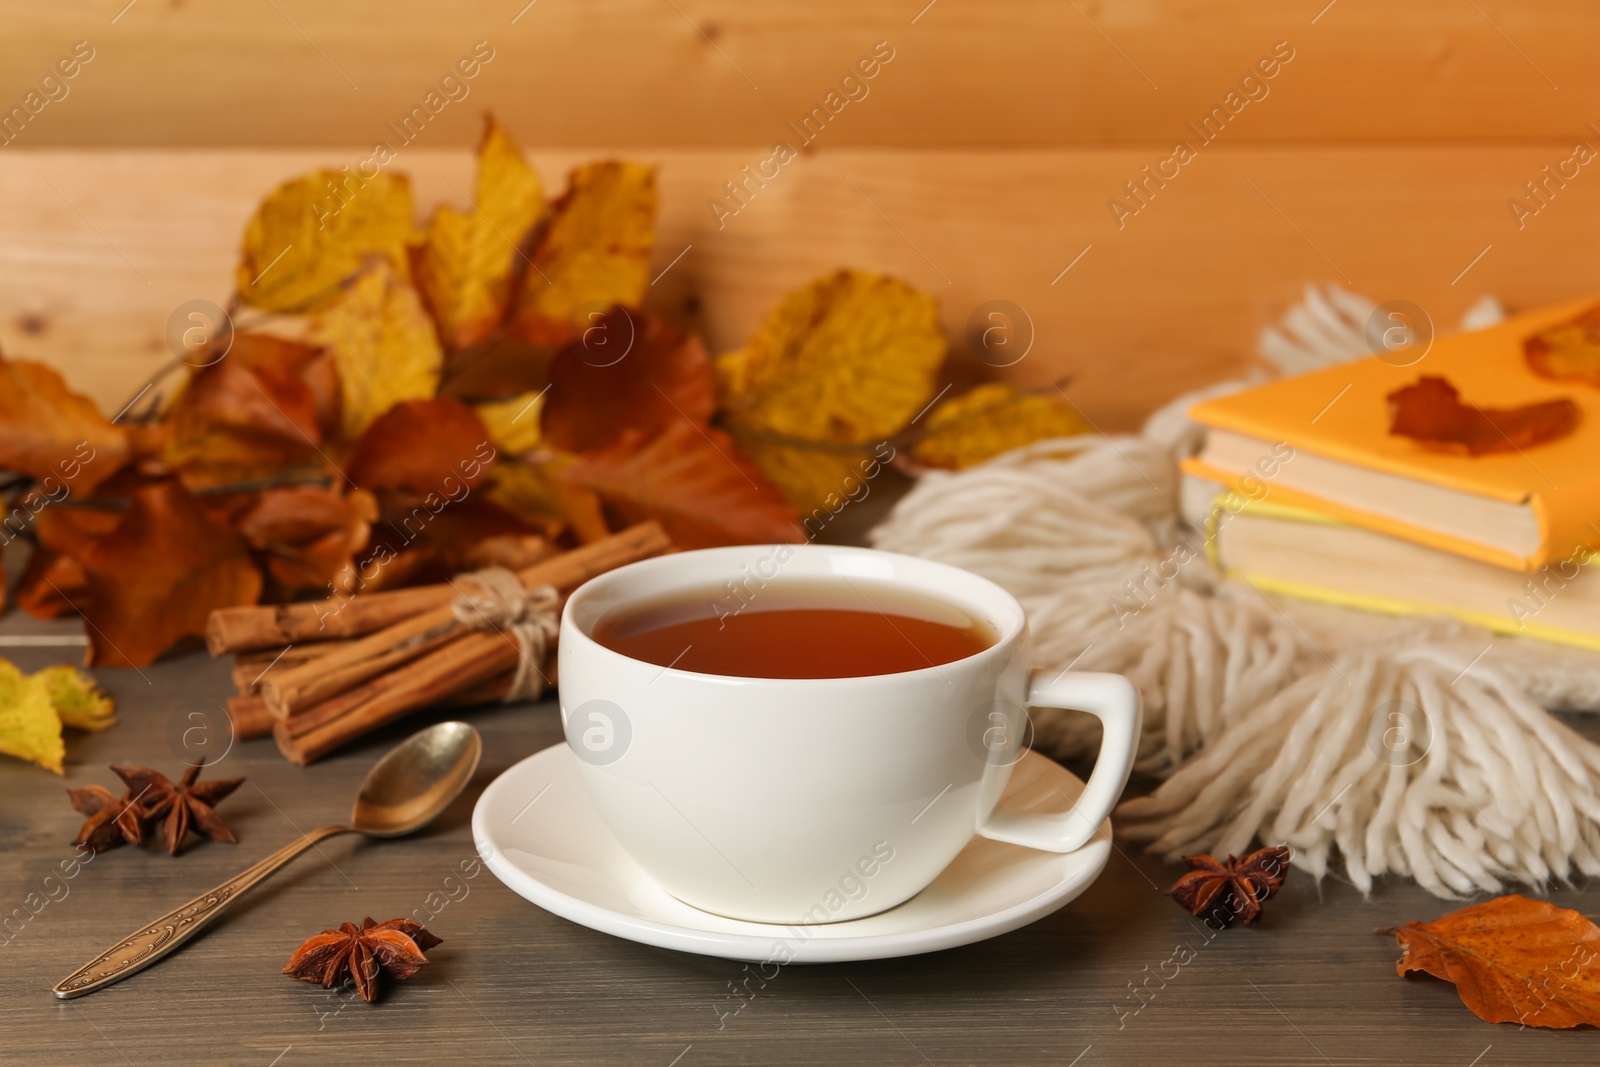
x=289, y=691
x=253, y=627
x=453, y=668
x=249, y=668
x=250, y=717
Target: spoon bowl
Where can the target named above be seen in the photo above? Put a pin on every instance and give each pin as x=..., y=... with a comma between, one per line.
x=416, y=780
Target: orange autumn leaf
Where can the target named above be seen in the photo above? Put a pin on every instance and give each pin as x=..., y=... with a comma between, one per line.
x=1568, y=351
x=1432, y=412
x=422, y=447
x=643, y=376
x=235, y=421
x=691, y=479
x=49, y=432
x=468, y=260
x=50, y=585
x=1512, y=960
x=54, y=583
x=158, y=575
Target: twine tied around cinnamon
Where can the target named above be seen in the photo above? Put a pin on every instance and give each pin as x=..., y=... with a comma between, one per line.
x=494, y=598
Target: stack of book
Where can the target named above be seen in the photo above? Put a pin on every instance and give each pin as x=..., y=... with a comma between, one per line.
x=1327, y=504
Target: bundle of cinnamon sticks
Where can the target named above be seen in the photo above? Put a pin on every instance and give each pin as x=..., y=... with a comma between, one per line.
x=317, y=675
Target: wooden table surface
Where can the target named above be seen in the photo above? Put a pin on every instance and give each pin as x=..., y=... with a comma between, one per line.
x=512, y=984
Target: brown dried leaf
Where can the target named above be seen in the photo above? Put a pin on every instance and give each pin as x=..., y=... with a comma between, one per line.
x=646, y=375
x=421, y=448
x=692, y=480
x=158, y=575
x=310, y=535
x=1512, y=960
x=49, y=432
x=235, y=422
x=1433, y=413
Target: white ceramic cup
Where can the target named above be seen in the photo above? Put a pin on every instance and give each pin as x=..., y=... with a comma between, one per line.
x=819, y=799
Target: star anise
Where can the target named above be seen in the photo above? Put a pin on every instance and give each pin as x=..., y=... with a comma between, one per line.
x=1223, y=892
x=358, y=952
x=111, y=821
x=184, y=806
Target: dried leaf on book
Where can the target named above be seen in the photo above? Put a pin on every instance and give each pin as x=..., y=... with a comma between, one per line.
x=1568, y=351
x=1512, y=960
x=1433, y=413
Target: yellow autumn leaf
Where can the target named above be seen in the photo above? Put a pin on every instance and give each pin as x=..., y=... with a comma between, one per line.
x=982, y=423
x=77, y=699
x=468, y=258
x=846, y=361
x=383, y=344
x=313, y=232
x=595, y=251
x=29, y=727
x=513, y=424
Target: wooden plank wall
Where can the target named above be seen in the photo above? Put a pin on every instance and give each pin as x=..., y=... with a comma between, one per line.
x=985, y=155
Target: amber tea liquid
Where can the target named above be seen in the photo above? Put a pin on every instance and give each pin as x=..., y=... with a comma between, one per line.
x=797, y=629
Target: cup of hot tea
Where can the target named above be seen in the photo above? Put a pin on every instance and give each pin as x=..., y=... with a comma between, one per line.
x=805, y=733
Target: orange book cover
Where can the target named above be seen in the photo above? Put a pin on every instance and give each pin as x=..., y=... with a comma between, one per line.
x=1341, y=412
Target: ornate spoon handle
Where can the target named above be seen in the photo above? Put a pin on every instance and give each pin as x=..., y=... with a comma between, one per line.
x=151, y=942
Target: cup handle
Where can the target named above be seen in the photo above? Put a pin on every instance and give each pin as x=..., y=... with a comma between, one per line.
x=1114, y=700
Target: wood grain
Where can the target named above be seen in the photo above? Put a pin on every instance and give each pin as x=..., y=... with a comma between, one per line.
x=705, y=73
x=515, y=985
x=99, y=247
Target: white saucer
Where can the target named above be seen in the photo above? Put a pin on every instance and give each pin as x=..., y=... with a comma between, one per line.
x=541, y=836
